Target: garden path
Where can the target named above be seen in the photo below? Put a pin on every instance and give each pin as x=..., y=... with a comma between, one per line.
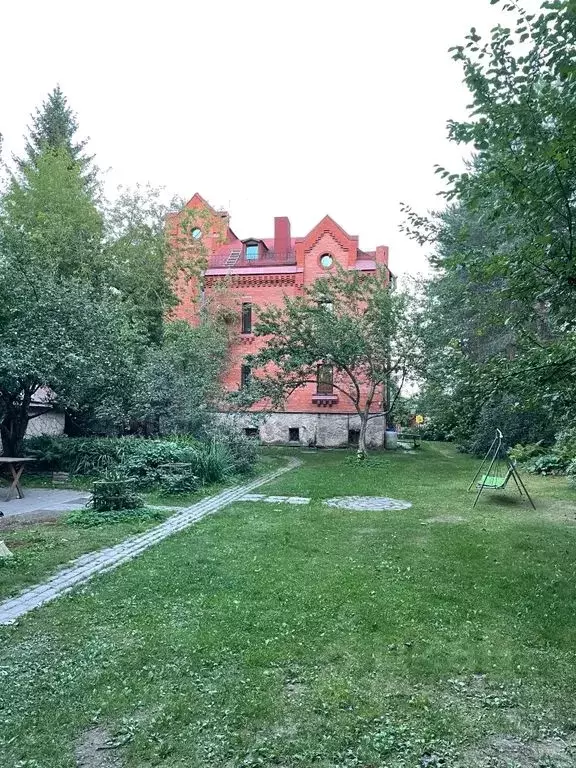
x=85, y=567
x=38, y=501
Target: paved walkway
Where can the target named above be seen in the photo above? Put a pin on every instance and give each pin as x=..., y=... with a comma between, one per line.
x=89, y=565
x=40, y=501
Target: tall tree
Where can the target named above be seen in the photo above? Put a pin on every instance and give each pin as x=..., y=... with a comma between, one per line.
x=507, y=268
x=354, y=324
x=138, y=255
x=54, y=127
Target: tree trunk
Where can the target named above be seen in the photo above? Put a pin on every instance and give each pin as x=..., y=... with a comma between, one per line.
x=362, y=450
x=13, y=428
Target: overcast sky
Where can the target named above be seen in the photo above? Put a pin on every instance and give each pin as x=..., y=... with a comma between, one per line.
x=298, y=108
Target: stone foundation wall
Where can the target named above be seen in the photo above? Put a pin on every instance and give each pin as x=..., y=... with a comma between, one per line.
x=325, y=430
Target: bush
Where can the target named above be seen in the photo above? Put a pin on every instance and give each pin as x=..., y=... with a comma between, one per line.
x=114, y=494
x=90, y=518
x=523, y=453
x=243, y=451
x=517, y=427
x=549, y=464
x=565, y=445
x=144, y=460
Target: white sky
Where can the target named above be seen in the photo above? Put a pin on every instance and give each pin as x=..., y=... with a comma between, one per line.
x=298, y=108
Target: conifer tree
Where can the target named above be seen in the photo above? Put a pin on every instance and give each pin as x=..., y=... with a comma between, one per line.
x=54, y=126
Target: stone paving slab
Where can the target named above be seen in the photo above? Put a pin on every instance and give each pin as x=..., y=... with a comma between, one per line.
x=275, y=499
x=85, y=567
x=38, y=500
x=368, y=503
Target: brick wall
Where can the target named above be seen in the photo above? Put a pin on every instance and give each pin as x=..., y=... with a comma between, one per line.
x=271, y=289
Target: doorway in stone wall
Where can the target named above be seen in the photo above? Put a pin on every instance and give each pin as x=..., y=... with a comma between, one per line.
x=353, y=438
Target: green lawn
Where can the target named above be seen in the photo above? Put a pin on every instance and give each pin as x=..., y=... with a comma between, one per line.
x=276, y=635
x=41, y=548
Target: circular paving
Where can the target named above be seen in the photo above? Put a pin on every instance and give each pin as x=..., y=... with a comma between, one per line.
x=368, y=503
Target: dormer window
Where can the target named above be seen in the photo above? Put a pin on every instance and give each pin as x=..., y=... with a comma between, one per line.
x=251, y=251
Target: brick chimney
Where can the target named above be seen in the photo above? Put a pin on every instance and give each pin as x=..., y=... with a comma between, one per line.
x=282, y=238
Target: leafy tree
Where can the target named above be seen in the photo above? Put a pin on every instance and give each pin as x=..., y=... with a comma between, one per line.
x=62, y=329
x=179, y=381
x=504, y=291
x=138, y=257
x=355, y=324
x=54, y=126
x=60, y=338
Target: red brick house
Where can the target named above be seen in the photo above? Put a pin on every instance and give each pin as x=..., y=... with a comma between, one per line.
x=256, y=271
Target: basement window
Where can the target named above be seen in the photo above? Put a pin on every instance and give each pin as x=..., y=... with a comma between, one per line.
x=353, y=437
x=294, y=435
x=251, y=432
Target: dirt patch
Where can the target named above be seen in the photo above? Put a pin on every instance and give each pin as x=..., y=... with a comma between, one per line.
x=561, y=512
x=14, y=522
x=294, y=689
x=508, y=751
x=97, y=750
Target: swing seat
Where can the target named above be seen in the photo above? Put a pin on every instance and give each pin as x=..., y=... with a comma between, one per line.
x=495, y=482
x=488, y=481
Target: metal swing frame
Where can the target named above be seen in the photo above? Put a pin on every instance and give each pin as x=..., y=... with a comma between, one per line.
x=494, y=454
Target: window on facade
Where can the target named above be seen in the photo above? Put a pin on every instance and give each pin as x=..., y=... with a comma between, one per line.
x=294, y=435
x=325, y=380
x=326, y=305
x=245, y=373
x=251, y=432
x=246, y=317
x=326, y=260
x=252, y=252
x=196, y=233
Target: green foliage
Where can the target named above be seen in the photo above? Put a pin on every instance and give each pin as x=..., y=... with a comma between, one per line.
x=114, y=493
x=516, y=424
x=242, y=451
x=360, y=327
x=549, y=464
x=500, y=306
x=523, y=453
x=92, y=518
x=179, y=382
x=150, y=463
x=565, y=445
x=137, y=253
x=53, y=127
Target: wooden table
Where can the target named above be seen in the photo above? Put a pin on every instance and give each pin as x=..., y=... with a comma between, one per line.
x=16, y=466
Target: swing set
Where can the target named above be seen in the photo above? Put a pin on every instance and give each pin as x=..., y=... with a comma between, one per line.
x=501, y=469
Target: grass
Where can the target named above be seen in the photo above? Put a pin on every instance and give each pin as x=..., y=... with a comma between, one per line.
x=310, y=636
x=39, y=548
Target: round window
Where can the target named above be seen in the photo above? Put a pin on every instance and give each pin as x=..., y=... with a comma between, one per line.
x=326, y=261
x=196, y=233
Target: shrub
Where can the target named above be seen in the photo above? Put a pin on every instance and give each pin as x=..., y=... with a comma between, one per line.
x=517, y=427
x=523, y=453
x=565, y=445
x=243, y=450
x=90, y=518
x=114, y=493
x=142, y=459
x=549, y=464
